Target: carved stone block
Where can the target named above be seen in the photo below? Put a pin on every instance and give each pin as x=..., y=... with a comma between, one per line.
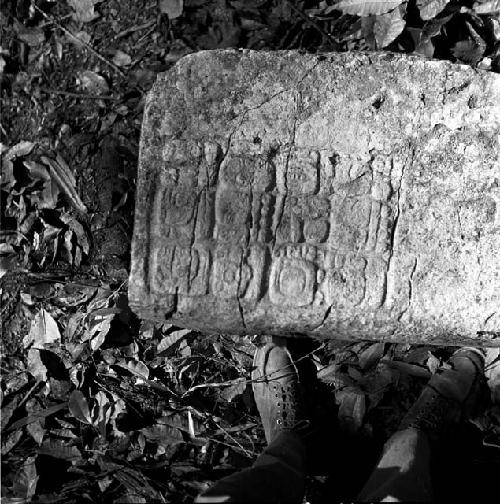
x=352, y=196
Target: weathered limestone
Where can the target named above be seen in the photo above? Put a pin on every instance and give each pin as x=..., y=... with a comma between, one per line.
x=342, y=195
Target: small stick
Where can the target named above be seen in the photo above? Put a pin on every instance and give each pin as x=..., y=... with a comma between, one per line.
x=146, y=35
x=77, y=95
x=48, y=23
x=134, y=29
x=240, y=446
x=273, y=374
x=26, y=397
x=88, y=46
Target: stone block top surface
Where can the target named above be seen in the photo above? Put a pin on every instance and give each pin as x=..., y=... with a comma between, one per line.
x=344, y=195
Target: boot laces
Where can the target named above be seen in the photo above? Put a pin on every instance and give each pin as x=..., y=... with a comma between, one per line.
x=288, y=405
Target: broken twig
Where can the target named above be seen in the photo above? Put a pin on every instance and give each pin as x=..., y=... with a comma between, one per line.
x=80, y=41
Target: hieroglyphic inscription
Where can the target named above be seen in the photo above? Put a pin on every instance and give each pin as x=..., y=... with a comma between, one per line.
x=244, y=204
x=244, y=200
x=171, y=267
x=302, y=275
x=292, y=282
x=304, y=219
x=231, y=217
x=176, y=208
x=253, y=271
x=296, y=272
x=201, y=239
x=360, y=205
x=182, y=209
x=179, y=270
x=345, y=282
x=311, y=226
x=298, y=171
x=199, y=270
x=227, y=271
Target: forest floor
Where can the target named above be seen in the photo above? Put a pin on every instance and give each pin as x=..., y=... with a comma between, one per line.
x=98, y=405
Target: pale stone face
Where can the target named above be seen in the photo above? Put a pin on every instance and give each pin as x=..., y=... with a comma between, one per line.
x=346, y=195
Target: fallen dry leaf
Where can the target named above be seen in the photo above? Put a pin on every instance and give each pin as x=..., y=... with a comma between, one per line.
x=234, y=390
x=37, y=416
x=59, y=449
x=432, y=363
x=36, y=431
x=410, y=369
x=163, y=434
x=92, y=83
x=171, y=339
x=84, y=10
x=172, y=8
x=35, y=365
x=121, y=59
x=137, y=368
x=26, y=479
x=79, y=407
x=43, y=331
x=32, y=36
x=63, y=176
x=352, y=409
x=79, y=39
x=10, y=440
x=371, y=355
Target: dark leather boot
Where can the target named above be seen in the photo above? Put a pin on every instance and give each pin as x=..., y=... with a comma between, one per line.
x=450, y=397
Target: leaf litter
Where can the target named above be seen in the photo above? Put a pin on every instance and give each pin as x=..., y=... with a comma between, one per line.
x=126, y=409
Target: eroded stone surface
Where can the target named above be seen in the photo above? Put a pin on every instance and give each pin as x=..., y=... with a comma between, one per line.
x=345, y=195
